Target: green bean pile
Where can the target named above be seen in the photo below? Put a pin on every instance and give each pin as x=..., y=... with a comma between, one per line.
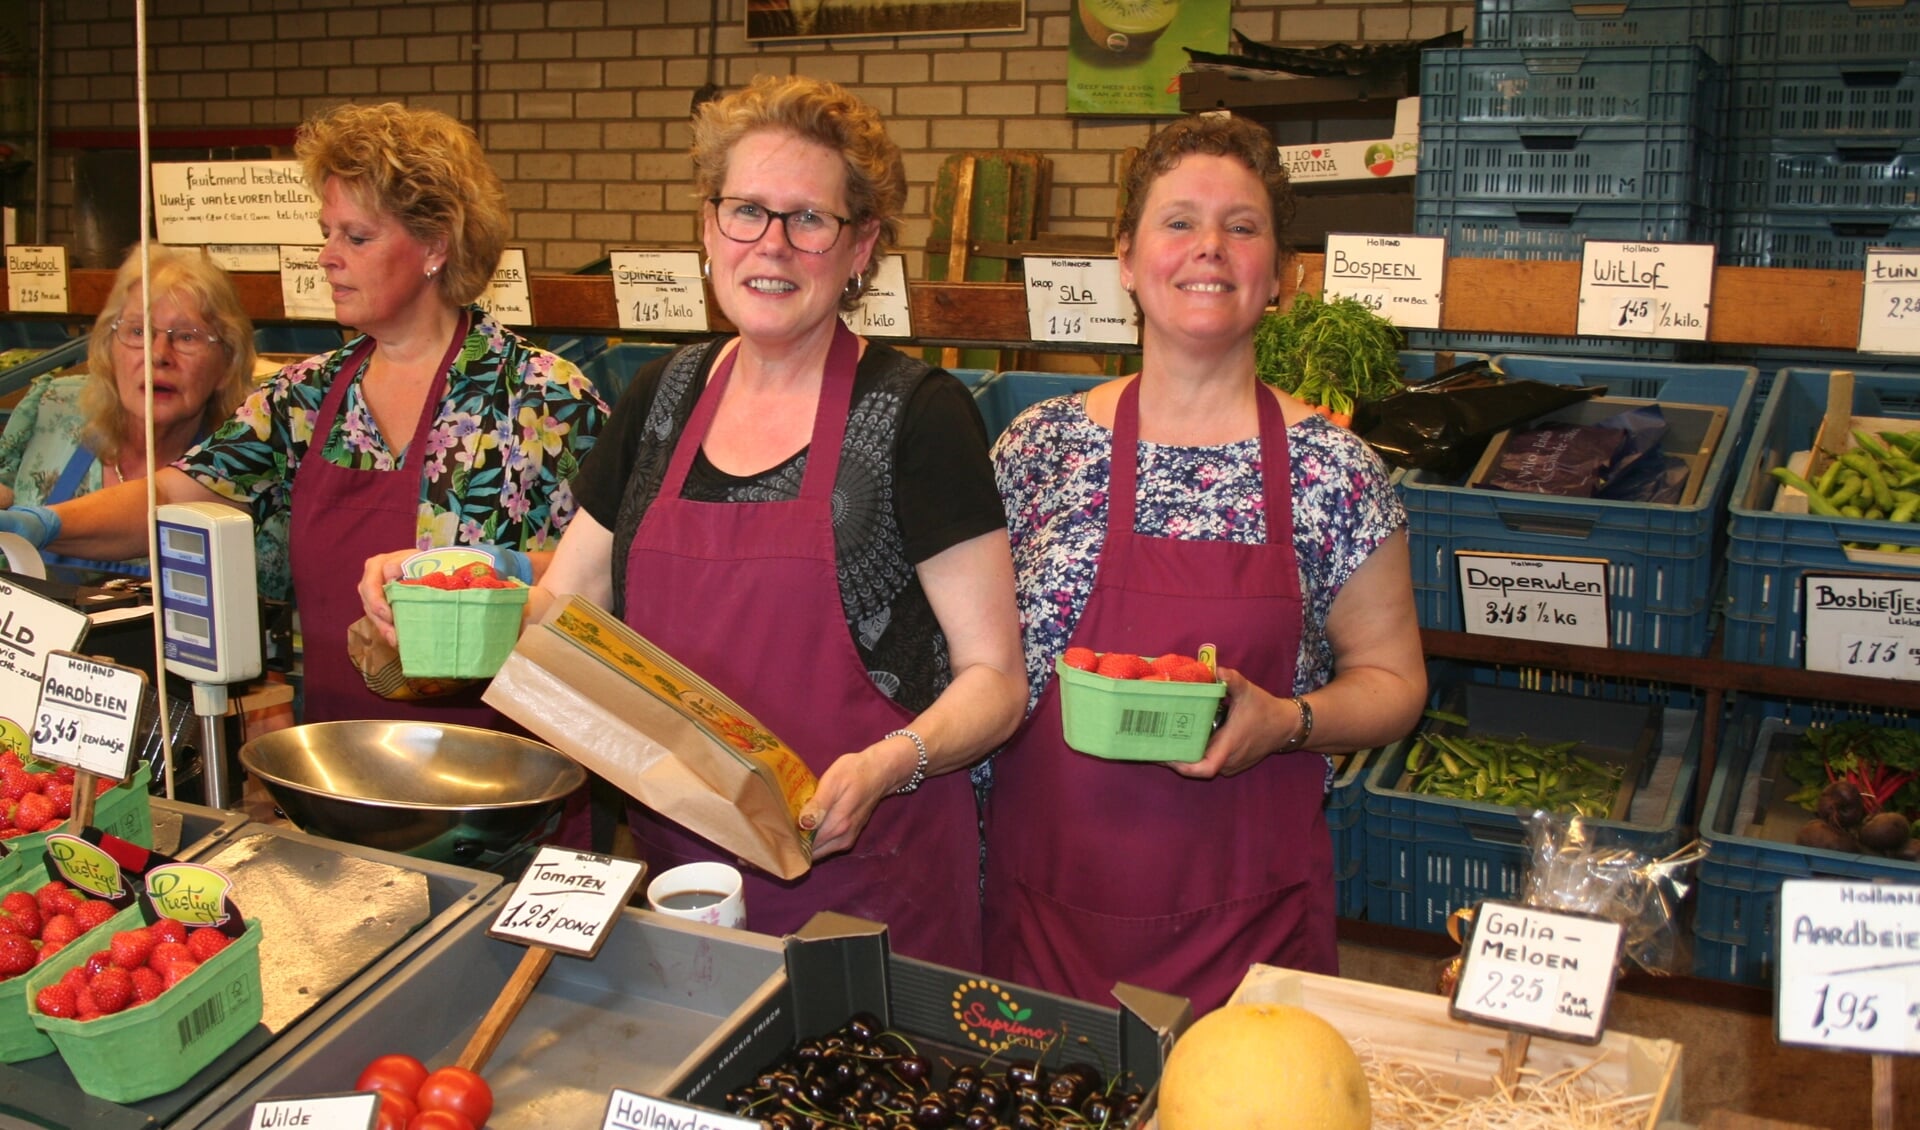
x=1512, y=772
x=1879, y=480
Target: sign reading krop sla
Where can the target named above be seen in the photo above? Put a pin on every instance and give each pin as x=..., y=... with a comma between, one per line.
x=1551, y=599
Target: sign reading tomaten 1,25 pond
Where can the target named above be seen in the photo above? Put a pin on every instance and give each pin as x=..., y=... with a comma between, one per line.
x=1860, y=625
x=659, y=290
x=1539, y=971
x=1552, y=599
x=87, y=714
x=1849, y=966
x=1398, y=277
x=1079, y=299
x=234, y=202
x=567, y=900
x=1650, y=290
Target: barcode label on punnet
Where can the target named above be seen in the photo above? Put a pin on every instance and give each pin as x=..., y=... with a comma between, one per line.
x=195, y=1023
x=1152, y=723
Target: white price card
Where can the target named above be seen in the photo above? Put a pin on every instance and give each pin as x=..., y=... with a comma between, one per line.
x=1653, y=290
x=659, y=290
x=37, y=279
x=1848, y=966
x=1861, y=625
x=884, y=310
x=1398, y=277
x=627, y=1110
x=568, y=900
x=1552, y=599
x=87, y=714
x=31, y=628
x=1890, y=301
x=356, y=1110
x=304, y=289
x=1078, y=300
x=233, y=202
x=1540, y=971
x=244, y=256
x=507, y=298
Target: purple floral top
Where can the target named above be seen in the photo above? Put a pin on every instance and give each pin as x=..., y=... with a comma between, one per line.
x=1052, y=466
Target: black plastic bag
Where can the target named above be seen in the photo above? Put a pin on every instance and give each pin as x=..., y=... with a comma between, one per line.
x=1443, y=425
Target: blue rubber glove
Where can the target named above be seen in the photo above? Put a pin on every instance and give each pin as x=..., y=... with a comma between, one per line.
x=38, y=524
x=507, y=562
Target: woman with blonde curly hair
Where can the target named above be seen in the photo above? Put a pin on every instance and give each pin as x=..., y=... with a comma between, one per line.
x=72, y=434
x=433, y=426
x=809, y=521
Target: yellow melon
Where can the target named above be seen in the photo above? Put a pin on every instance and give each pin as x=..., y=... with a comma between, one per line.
x=1263, y=1067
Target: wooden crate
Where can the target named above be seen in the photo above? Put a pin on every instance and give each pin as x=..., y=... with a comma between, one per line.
x=1414, y=1028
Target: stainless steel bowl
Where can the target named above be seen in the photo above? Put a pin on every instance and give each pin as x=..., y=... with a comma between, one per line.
x=451, y=793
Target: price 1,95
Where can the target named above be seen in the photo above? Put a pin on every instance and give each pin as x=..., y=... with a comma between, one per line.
x=1851, y=1012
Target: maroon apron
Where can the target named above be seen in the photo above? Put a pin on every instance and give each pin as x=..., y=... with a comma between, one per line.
x=748, y=595
x=1101, y=871
x=341, y=517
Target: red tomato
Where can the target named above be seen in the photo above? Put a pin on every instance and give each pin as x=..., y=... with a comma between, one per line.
x=458, y=1090
x=441, y=1120
x=400, y=1074
x=396, y=1111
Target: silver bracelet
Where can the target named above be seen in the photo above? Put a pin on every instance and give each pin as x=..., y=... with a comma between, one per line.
x=1306, y=725
x=920, y=769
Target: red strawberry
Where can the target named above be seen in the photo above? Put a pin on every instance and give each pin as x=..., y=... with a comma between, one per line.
x=1192, y=672
x=12, y=924
x=54, y=898
x=177, y=971
x=17, y=955
x=59, y=930
x=97, y=961
x=146, y=984
x=131, y=948
x=22, y=906
x=10, y=759
x=62, y=798
x=83, y=1006
x=169, y=930
x=1081, y=658
x=1121, y=665
x=15, y=783
x=166, y=952
x=66, y=773
x=48, y=949
x=57, y=1000
x=7, y=833
x=36, y=812
x=1169, y=663
x=93, y=912
x=112, y=989
x=205, y=942
x=75, y=978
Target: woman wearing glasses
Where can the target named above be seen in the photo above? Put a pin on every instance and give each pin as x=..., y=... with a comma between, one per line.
x=72, y=435
x=435, y=426
x=809, y=521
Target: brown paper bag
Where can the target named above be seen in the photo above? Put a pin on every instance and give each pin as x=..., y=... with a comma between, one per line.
x=587, y=684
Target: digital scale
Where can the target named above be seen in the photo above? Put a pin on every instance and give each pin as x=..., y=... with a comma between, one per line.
x=209, y=598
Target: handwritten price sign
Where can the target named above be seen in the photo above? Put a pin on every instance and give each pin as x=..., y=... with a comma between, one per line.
x=1890, y=302
x=659, y=290
x=567, y=900
x=1555, y=599
x=1657, y=290
x=1539, y=971
x=1862, y=625
x=37, y=279
x=1078, y=300
x=1849, y=963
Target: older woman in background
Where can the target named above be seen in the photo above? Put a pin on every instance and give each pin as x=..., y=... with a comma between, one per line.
x=74, y=434
x=1189, y=505
x=435, y=426
x=809, y=521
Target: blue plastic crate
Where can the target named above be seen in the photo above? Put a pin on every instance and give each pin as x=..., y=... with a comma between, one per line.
x=1828, y=30
x=1577, y=162
x=1674, y=84
x=1660, y=559
x=1707, y=24
x=305, y=341
x=972, y=378
x=1347, y=825
x=1495, y=229
x=1739, y=880
x=1768, y=553
x=1005, y=395
x=1823, y=100
x=1811, y=240
x=1831, y=178
x=1621, y=348
x=1429, y=856
x=612, y=369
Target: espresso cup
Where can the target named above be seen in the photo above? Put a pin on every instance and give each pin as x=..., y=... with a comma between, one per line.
x=704, y=892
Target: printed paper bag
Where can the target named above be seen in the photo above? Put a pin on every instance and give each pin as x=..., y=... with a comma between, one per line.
x=591, y=687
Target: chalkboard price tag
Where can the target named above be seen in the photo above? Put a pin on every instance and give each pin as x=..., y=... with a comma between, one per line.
x=568, y=900
x=354, y=1110
x=87, y=714
x=1545, y=972
x=629, y=1111
x=1849, y=966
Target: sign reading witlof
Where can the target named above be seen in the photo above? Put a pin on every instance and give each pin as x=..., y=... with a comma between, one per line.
x=1651, y=290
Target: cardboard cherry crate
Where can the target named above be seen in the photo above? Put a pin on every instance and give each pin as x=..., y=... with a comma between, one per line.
x=673, y=1009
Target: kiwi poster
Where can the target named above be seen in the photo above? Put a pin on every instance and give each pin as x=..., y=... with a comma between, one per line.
x=1126, y=56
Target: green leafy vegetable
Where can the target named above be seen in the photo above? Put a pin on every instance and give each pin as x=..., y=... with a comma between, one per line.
x=1883, y=762
x=1334, y=354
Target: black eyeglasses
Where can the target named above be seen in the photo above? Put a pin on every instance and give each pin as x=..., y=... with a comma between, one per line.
x=745, y=221
x=189, y=342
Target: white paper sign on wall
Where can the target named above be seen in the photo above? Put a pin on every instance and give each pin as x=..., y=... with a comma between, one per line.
x=1552, y=599
x=1849, y=966
x=1890, y=301
x=233, y=202
x=884, y=310
x=37, y=279
x=1399, y=277
x=304, y=289
x=1861, y=625
x=1650, y=290
x=659, y=290
x=1079, y=300
x=507, y=298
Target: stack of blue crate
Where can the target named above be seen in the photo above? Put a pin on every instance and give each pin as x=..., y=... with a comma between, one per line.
x=1560, y=127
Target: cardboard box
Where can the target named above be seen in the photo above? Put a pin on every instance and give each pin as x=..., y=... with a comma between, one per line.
x=594, y=689
x=1394, y=156
x=1415, y=1028
x=1693, y=434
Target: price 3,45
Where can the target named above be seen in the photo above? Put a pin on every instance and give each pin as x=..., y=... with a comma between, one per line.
x=50, y=729
x=1513, y=612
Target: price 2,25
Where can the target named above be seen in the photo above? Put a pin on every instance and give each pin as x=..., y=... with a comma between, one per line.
x=1903, y=306
x=1501, y=992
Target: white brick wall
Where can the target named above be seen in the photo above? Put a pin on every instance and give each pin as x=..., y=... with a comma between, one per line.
x=583, y=104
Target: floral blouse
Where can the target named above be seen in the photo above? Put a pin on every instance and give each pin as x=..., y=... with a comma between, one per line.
x=513, y=424
x=43, y=432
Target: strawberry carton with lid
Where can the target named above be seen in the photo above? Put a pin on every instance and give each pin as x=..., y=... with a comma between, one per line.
x=1127, y=707
x=455, y=616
